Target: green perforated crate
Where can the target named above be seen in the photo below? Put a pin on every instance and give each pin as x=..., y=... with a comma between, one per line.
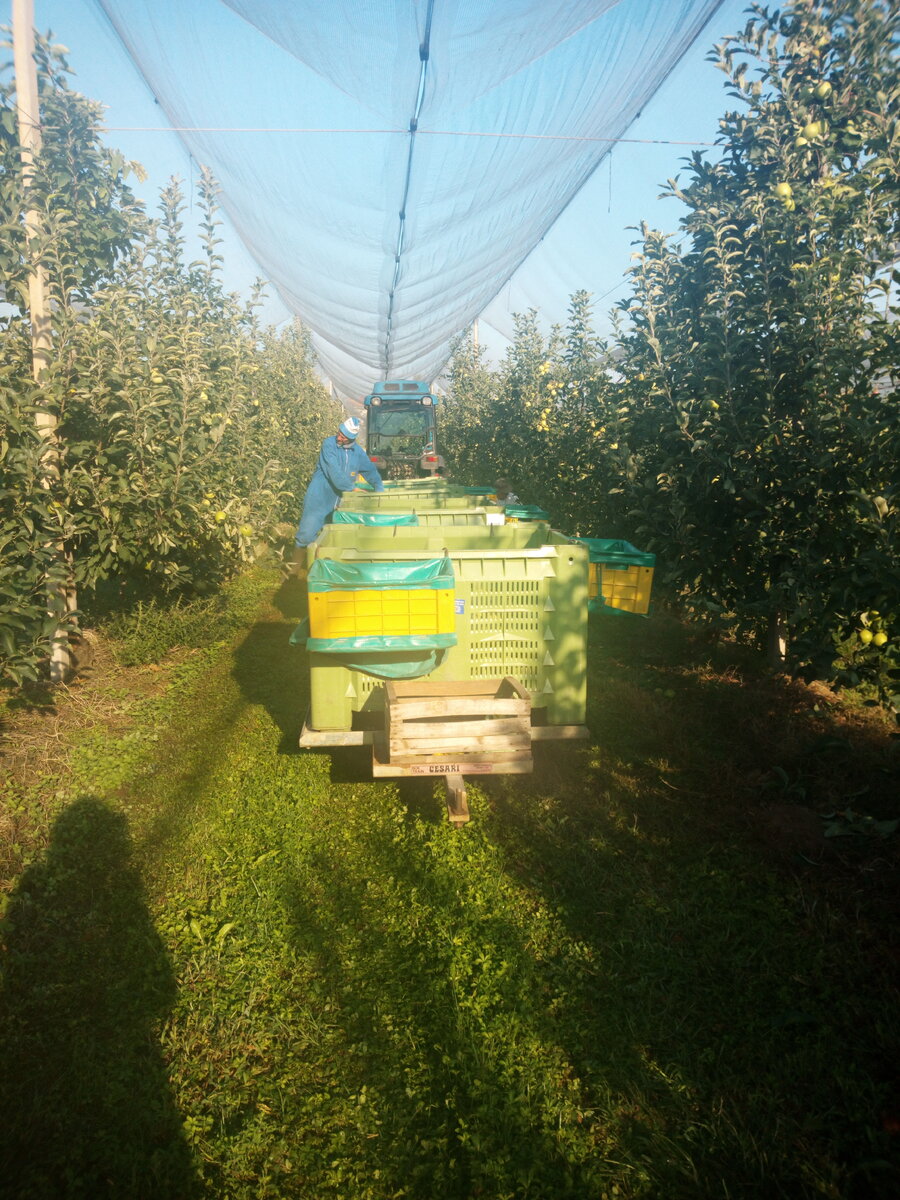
x=346, y=516
x=431, y=539
x=521, y=610
x=417, y=514
x=397, y=501
x=458, y=516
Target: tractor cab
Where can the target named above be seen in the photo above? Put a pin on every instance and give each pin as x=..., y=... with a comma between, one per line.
x=401, y=429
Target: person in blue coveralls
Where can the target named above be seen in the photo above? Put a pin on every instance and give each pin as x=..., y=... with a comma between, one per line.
x=340, y=459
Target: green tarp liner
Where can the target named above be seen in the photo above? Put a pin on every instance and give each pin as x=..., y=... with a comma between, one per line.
x=616, y=555
x=342, y=517
x=383, y=657
x=614, y=552
x=526, y=512
x=599, y=605
x=330, y=574
x=389, y=657
x=300, y=636
x=381, y=644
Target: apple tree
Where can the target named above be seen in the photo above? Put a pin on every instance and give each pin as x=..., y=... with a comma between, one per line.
x=760, y=356
x=186, y=432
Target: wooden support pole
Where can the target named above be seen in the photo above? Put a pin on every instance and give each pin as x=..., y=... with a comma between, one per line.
x=61, y=600
x=457, y=801
x=29, y=120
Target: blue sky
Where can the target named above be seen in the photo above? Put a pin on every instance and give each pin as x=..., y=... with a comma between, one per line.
x=588, y=247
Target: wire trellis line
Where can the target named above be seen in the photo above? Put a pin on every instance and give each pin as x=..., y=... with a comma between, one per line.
x=539, y=137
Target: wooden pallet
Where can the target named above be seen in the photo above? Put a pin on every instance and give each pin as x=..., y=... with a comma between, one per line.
x=449, y=730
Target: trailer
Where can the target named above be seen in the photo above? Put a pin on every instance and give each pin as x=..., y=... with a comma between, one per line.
x=449, y=649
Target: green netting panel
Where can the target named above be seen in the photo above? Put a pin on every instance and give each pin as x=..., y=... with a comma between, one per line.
x=342, y=516
x=329, y=574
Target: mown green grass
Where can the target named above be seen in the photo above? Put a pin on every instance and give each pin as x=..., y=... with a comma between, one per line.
x=247, y=971
x=151, y=629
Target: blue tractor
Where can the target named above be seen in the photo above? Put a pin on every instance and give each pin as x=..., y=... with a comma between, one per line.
x=401, y=429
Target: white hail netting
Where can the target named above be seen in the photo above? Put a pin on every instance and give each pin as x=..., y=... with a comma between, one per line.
x=390, y=231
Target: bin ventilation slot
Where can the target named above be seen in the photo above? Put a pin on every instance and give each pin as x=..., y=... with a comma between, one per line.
x=506, y=606
x=505, y=630
x=497, y=658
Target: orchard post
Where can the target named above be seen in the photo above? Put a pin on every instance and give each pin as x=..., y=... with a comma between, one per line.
x=61, y=600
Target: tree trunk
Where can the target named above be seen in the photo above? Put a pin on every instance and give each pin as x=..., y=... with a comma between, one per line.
x=776, y=640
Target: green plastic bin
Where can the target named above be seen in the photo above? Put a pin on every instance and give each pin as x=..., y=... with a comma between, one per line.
x=346, y=516
x=403, y=501
x=521, y=605
x=431, y=538
x=457, y=516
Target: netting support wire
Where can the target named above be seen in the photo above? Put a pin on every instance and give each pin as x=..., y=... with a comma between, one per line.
x=473, y=133
x=424, y=54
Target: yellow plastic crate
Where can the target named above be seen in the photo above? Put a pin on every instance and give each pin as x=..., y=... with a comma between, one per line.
x=625, y=588
x=593, y=580
x=370, y=612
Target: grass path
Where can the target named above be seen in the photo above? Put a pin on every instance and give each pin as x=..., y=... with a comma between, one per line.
x=238, y=970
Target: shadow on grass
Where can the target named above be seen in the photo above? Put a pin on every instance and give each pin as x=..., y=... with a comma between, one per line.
x=271, y=672
x=267, y=671
x=596, y=985
x=419, y=797
x=291, y=601
x=446, y=1021
x=85, y=1108
x=753, y=999
x=30, y=697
